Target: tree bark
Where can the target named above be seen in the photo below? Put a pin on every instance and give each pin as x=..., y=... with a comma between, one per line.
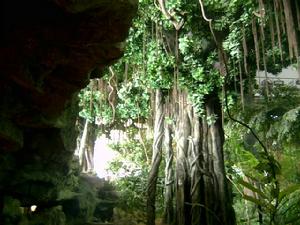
x=218, y=201
x=202, y=192
x=291, y=31
x=195, y=158
x=169, y=176
x=183, y=132
x=156, y=157
x=86, y=148
x=83, y=143
x=89, y=148
x=241, y=86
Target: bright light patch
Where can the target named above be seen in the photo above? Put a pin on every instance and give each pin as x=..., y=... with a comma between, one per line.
x=103, y=154
x=33, y=208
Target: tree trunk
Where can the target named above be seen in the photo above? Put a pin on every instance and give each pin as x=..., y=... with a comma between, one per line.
x=202, y=193
x=218, y=201
x=241, y=87
x=83, y=143
x=90, y=145
x=183, y=132
x=207, y=193
x=86, y=148
x=169, y=176
x=196, y=179
x=291, y=31
x=156, y=157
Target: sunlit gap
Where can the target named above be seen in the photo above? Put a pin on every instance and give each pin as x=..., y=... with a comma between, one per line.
x=103, y=154
x=288, y=76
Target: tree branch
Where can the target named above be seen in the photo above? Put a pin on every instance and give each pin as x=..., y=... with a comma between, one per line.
x=170, y=16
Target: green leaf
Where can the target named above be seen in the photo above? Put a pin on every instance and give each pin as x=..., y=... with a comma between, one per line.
x=260, y=202
x=254, y=200
x=288, y=191
x=252, y=188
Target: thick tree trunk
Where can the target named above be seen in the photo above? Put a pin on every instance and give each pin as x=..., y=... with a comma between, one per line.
x=202, y=194
x=218, y=202
x=169, y=176
x=216, y=152
x=207, y=194
x=195, y=158
x=156, y=157
x=182, y=172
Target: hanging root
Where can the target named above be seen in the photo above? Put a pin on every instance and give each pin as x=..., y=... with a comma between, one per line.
x=276, y=8
x=256, y=44
x=226, y=97
x=291, y=33
x=110, y=96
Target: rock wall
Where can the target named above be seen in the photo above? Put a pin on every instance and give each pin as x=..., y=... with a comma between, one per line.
x=48, y=48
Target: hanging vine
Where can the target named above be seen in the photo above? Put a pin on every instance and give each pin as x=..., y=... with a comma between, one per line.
x=291, y=33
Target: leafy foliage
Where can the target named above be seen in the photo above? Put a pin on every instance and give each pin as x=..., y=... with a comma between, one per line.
x=133, y=101
x=93, y=104
x=275, y=120
x=131, y=169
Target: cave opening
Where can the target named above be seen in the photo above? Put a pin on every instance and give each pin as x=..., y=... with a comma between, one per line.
x=47, y=51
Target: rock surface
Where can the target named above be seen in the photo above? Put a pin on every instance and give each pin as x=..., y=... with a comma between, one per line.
x=48, y=48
